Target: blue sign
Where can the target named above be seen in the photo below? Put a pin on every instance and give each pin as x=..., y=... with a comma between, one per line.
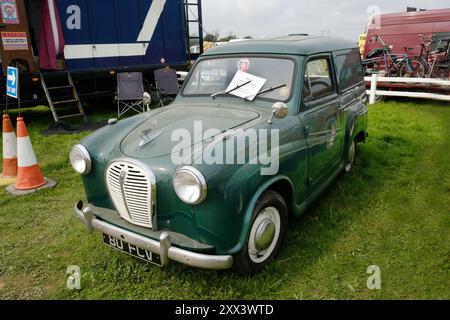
x=12, y=86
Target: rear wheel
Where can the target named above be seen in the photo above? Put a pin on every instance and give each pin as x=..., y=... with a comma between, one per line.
x=351, y=154
x=267, y=231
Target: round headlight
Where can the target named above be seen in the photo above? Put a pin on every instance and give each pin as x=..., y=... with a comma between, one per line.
x=190, y=185
x=80, y=159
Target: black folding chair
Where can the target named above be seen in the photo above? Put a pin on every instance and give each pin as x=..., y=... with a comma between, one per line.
x=166, y=82
x=130, y=90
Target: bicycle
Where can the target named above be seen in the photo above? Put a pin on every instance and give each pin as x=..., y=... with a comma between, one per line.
x=382, y=60
x=436, y=62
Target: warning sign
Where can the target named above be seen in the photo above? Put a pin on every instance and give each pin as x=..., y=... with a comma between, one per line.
x=14, y=41
x=9, y=11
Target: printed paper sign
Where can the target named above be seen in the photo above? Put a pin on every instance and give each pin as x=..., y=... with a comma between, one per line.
x=14, y=41
x=250, y=90
x=9, y=11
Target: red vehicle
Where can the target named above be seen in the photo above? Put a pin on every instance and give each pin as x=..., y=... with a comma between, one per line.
x=407, y=29
x=405, y=33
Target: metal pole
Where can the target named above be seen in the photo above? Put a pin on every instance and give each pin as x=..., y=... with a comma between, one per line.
x=18, y=91
x=200, y=24
x=6, y=95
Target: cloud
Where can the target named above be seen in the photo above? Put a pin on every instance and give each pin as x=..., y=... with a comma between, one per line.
x=264, y=18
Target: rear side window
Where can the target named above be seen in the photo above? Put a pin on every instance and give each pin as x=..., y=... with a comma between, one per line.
x=318, y=81
x=348, y=68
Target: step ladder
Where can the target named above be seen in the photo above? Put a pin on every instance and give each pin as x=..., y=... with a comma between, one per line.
x=194, y=27
x=61, y=92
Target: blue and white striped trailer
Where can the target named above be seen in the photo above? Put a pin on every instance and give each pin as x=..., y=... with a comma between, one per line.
x=100, y=38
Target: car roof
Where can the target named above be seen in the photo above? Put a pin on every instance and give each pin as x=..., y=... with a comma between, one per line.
x=296, y=44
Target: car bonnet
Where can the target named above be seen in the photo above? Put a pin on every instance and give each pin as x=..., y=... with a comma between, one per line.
x=161, y=132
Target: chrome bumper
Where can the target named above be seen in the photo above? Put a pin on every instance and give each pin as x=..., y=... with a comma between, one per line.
x=162, y=247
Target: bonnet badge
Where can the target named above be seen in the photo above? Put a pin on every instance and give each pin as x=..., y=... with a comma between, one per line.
x=122, y=176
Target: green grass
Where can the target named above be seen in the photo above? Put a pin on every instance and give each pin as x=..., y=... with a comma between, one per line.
x=393, y=211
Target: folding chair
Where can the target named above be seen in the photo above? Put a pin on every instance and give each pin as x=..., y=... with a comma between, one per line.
x=130, y=90
x=166, y=82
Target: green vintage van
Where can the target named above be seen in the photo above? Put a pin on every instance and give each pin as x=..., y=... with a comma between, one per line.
x=258, y=130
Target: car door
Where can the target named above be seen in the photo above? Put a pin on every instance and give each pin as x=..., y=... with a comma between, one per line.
x=321, y=117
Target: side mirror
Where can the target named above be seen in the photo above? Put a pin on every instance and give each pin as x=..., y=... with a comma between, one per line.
x=147, y=100
x=279, y=111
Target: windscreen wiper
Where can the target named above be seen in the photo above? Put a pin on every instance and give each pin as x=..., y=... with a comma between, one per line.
x=231, y=90
x=267, y=90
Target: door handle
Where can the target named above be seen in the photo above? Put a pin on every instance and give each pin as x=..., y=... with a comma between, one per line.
x=306, y=131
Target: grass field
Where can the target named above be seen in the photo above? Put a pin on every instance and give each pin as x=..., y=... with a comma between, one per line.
x=392, y=211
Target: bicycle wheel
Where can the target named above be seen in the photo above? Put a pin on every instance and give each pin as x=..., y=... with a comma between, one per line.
x=416, y=69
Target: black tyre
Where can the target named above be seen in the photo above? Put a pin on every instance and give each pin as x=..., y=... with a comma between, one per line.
x=266, y=235
x=379, y=98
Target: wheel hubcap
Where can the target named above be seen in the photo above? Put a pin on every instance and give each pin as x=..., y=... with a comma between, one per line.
x=264, y=234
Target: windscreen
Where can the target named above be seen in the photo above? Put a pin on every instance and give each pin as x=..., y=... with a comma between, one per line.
x=213, y=75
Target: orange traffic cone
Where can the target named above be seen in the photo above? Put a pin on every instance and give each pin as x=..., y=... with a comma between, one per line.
x=29, y=175
x=9, y=149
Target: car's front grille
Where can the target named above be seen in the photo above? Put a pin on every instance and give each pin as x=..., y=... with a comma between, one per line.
x=132, y=190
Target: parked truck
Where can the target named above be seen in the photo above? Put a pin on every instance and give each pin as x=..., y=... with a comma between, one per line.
x=80, y=45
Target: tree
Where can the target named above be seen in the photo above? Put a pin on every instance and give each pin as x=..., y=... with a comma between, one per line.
x=229, y=37
x=248, y=37
x=211, y=37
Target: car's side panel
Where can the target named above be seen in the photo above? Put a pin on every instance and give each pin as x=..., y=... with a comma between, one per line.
x=352, y=92
x=321, y=118
x=358, y=116
x=324, y=138
x=235, y=188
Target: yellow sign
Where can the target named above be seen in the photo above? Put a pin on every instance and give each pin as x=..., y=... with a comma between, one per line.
x=362, y=42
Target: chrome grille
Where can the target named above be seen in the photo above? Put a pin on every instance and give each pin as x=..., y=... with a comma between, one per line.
x=132, y=190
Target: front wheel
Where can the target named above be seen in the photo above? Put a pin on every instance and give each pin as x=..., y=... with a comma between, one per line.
x=267, y=231
x=415, y=69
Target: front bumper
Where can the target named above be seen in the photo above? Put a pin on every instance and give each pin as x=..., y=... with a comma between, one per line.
x=162, y=247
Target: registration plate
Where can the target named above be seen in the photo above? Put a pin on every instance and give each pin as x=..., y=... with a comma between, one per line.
x=132, y=250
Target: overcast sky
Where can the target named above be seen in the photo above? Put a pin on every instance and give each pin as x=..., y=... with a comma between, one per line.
x=266, y=18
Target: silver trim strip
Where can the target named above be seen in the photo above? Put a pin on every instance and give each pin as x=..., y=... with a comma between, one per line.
x=164, y=248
